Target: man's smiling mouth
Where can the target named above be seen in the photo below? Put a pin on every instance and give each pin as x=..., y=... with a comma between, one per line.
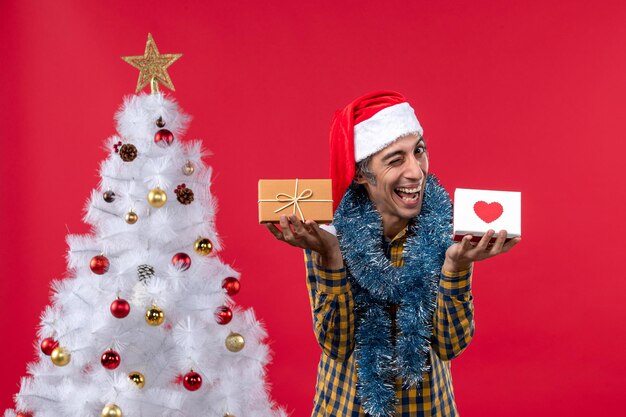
x=408, y=194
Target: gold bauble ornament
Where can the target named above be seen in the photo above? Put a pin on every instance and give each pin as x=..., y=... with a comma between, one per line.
x=60, y=356
x=155, y=316
x=203, y=246
x=131, y=217
x=235, y=342
x=157, y=197
x=111, y=410
x=137, y=378
x=188, y=168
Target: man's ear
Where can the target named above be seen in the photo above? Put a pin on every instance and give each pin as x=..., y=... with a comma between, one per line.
x=359, y=178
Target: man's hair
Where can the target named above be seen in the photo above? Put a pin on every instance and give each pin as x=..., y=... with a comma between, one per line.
x=363, y=167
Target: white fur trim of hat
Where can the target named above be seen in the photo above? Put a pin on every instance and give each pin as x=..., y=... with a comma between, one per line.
x=383, y=128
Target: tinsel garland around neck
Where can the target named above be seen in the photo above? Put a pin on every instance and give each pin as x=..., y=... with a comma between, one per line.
x=377, y=284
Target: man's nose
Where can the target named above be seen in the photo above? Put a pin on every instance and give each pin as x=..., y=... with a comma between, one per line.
x=414, y=169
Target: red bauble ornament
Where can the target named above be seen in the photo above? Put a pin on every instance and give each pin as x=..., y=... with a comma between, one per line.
x=23, y=414
x=99, y=264
x=110, y=359
x=163, y=138
x=48, y=345
x=231, y=285
x=181, y=260
x=223, y=315
x=192, y=381
x=120, y=308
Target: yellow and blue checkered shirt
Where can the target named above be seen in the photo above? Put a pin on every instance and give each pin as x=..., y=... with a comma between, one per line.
x=334, y=325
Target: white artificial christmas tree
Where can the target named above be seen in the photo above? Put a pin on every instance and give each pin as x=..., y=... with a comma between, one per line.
x=145, y=325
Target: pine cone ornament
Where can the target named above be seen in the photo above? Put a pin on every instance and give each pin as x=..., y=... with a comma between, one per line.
x=145, y=272
x=128, y=152
x=183, y=194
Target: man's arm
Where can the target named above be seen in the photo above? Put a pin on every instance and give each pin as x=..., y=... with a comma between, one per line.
x=332, y=307
x=453, y=321
x=331, y=300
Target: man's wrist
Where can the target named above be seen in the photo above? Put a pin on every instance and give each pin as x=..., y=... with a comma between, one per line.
x=331, y=259
x=454, y=267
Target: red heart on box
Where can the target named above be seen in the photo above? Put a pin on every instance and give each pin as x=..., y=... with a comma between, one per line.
x=488, y=212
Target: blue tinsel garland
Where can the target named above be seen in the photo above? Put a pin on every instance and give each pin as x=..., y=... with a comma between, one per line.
x=376, y=284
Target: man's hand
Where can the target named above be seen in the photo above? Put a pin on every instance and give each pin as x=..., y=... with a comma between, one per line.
x=460, y=256
x=308, y=235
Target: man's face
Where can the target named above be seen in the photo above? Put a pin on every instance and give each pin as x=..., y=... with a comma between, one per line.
x=400, y=170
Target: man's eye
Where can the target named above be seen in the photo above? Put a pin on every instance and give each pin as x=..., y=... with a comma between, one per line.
x=394, y=161
x=420, y=150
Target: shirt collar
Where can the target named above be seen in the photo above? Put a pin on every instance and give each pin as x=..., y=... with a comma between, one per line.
x=400, y=235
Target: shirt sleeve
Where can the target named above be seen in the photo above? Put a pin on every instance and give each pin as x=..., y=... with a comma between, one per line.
x=453, y=322
x=332, y=307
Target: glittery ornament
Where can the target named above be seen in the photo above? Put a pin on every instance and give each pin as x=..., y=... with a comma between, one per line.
x=110, y=359
x=192, y=381
x=188, y=168
x=155, y=316
x=183, y=194
x=99, y=264
x=60, y=356
x=182, y=261
x=137, y=378
x=120, y=308
x=145, y=272
x=131, y=217
x=157, y=197
x=48, y=344
x=160, y=122
x=108, y=196
x=235, y=342
x=23, y=414
x=111, y=410
x=152, y=67
x=203, y=246
x=163, y=138
x=128, y=152
x=223, y=315
x=231, y=285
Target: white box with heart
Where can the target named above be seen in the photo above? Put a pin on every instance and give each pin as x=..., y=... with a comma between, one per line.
x=476, y=211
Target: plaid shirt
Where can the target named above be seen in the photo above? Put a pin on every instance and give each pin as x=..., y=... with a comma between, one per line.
x=333, y=321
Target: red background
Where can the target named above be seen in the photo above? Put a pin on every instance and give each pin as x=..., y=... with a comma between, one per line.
x=522, y=96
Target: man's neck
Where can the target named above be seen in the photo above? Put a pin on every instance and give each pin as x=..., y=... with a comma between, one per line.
x=391, y=227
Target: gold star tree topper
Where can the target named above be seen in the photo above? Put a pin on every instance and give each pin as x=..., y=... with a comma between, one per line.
x=152, y=67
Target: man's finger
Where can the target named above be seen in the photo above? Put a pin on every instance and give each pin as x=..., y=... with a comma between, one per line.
x=484, y=241
x=312, y=227
x=286, y=228
x=466, y=243
x=508, y=245
x=496, y=248
x=307, y=226
x=274, y=230
x=298, y=228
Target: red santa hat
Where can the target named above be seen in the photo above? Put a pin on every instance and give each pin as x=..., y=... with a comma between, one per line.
x=364, y=127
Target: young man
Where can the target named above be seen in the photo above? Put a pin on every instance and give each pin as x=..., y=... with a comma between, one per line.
x=390, y=294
